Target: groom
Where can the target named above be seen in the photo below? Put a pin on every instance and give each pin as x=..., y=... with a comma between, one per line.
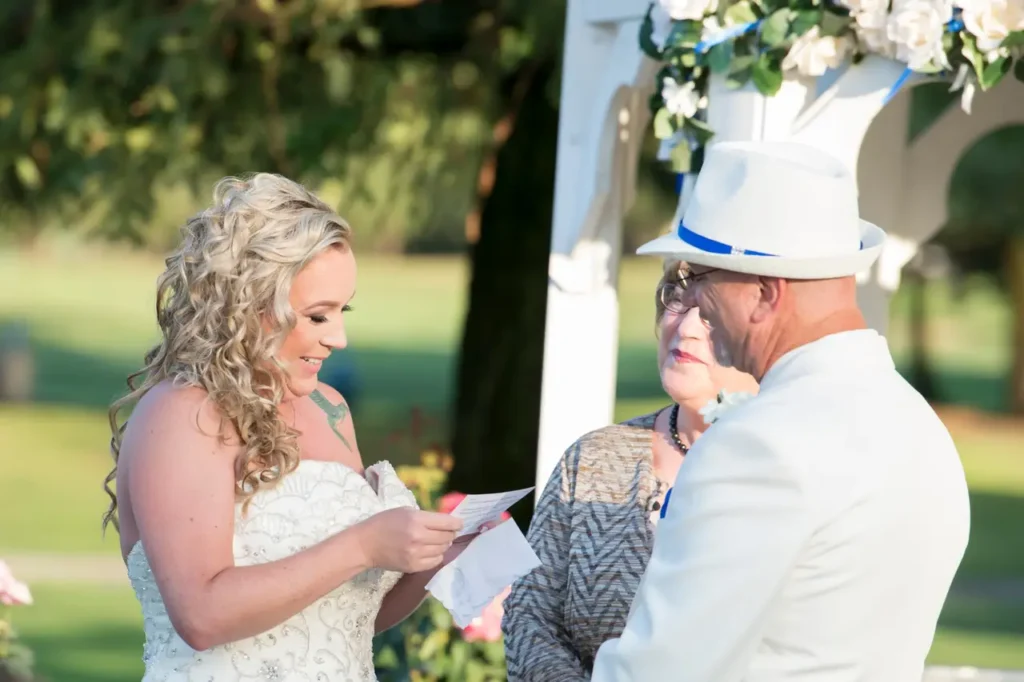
x=813, y=532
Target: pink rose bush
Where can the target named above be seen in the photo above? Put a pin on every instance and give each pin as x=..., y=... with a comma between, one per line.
x=428, y=646
x=487, y=626
x=15, y=658
x=12, y=592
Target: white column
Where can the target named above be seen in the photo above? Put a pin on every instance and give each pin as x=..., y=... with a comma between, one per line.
x=600, y=113
x=580, y=355
x=835, y=115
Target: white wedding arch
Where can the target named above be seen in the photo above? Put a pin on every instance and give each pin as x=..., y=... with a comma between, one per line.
x=852, y=112
x=606, y=85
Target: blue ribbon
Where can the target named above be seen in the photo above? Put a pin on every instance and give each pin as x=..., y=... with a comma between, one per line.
x=898, y=85
x=954, y=25
x=728, y=34
x=680, y=179
x=664, y=507
x=713, y=246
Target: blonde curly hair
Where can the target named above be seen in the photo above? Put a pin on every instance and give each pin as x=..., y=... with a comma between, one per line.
x=232, y=272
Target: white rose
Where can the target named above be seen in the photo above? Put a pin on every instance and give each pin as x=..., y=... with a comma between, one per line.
x=813, y=54
x=868, y=13
x=681, y=99
x=991, y=21
x=692, y=10
x=917, y=26
x=661, y=25
x=875, y=39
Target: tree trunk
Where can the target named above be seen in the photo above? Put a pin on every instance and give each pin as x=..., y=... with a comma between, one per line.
x=919, y=374
x=1015, y=284
x=497, y=410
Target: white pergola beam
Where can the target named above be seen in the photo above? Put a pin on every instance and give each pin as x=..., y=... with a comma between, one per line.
x=615, y=11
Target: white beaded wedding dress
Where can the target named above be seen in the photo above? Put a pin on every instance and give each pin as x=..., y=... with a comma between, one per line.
x=331, y=640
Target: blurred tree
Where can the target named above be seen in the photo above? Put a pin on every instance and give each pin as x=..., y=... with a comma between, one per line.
x=497, y=411
x=402, y=112
x=986, y=231
x=106, y=106
x=985, y=234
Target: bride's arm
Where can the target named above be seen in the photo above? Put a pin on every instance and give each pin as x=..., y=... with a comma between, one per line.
x=181, y=482
x=411, y=589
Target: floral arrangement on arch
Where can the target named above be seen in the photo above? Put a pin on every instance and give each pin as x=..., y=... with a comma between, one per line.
x=972, y=42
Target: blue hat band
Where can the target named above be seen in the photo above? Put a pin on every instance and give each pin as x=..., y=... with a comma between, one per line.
x=714, y=246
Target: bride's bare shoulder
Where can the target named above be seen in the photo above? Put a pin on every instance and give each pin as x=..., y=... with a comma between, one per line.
x=185, y=410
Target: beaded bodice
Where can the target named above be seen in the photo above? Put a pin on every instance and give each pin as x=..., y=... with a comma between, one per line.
x=331, y=640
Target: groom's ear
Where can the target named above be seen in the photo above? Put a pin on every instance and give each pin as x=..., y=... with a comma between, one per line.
x=770, y=293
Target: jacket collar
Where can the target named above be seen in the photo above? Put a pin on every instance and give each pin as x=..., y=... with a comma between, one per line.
x=859, y=350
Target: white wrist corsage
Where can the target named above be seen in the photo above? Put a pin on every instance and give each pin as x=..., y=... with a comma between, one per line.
x=725, y=401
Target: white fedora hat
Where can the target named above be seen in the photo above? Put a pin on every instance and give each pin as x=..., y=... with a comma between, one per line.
x=778, y=209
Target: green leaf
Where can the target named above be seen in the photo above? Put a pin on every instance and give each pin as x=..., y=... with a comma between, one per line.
x=767, y=76
x=776, y=27
x=740, y=73
x=720, y=57
x=835, y=24
x=681, y=158
x=688, y=60
x=28, y=172
x=647, y=44
x=805, y=20
x=972, y=54
x=684, y=34
x=700, y=130
x=994, y=72
x=1018, y=70
x=740, y=13
x=1015, y=39
x=664, y=128
x=737, y=79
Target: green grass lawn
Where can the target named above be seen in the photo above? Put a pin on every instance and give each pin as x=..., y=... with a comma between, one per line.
x=83, y=634
x=90, y=319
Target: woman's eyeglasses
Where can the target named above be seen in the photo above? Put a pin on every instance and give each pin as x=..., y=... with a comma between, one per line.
x=673, y=297
x=678, y=296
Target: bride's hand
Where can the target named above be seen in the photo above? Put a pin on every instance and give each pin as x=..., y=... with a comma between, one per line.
x=461, y=543
x=409, y=540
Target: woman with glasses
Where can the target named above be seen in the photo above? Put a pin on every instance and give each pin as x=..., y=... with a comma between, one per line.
x=593, y=528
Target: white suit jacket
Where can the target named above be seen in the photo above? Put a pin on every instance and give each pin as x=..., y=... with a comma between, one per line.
x=812, y=533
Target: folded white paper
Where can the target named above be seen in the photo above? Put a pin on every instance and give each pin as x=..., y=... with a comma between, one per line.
x=476, y=510
x=491, y=562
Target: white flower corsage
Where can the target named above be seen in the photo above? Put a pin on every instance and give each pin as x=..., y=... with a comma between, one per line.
x=725, y=401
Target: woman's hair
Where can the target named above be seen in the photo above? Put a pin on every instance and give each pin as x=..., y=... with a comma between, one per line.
x=670, y=274
x=231, y=275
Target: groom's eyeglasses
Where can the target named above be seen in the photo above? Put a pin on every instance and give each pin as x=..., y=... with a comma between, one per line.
x=687, y=279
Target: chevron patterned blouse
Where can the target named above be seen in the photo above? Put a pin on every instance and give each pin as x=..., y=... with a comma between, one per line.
x=593, y=531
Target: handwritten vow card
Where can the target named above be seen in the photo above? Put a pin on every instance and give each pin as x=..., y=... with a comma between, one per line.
x=490, y=563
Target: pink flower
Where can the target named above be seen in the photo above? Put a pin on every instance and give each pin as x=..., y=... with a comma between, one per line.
x=12, y=592
x=449, y=501
x=487, y=626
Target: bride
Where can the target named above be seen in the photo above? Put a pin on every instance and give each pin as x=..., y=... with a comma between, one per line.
x=257, y=544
